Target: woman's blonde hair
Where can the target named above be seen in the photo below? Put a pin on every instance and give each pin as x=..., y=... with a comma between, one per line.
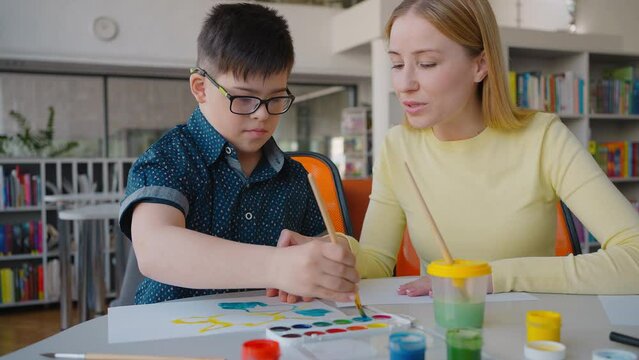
x=472, y=24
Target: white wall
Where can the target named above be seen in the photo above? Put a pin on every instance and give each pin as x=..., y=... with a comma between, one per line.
x=612, y=17
x=156, y=33
x=534, y=14
x=615, y=17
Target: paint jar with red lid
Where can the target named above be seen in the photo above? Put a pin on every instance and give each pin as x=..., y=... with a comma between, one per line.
x=261, y=349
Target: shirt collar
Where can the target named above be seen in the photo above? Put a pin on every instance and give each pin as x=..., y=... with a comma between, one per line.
x=212, y=144
x=208, y=140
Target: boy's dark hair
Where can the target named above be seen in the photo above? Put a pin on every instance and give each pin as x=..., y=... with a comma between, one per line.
x=247, y=39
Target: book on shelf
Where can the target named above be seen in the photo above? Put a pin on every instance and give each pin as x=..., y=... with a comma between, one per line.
x=22, y=238
x=618, y=159
x=21, y=283
x=558, y=93
x=617, y=92
x=19, y=189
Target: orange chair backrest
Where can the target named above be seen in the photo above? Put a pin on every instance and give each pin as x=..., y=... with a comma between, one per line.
x=563, y=246
x=357, y=192
x=407, y=259
x=325, y=179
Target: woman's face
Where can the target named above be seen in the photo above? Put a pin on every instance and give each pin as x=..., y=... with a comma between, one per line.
x=434, y=77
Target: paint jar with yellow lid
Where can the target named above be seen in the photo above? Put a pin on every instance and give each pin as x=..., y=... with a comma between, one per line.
x=459, y=292
x=543, y=325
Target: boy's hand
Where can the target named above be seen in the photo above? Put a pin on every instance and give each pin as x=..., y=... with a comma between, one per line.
x=290, y=238
x=314, y=269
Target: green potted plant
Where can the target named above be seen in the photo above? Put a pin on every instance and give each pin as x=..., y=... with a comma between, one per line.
x=30, y=143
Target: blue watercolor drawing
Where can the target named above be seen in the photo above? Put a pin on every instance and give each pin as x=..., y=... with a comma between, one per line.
x=312, y=312
x=241, y=305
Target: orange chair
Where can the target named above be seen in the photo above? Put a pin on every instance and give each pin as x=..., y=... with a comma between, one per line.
x=567, y=238
x=357, y=192
x=330, y=187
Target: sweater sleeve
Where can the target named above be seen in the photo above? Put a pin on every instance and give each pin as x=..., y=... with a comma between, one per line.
x=581, y=184
x=384, y=223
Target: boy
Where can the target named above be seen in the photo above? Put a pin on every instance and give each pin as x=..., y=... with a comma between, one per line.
x=207, y=202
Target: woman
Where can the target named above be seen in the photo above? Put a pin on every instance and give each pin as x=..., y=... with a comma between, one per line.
x=490, y=173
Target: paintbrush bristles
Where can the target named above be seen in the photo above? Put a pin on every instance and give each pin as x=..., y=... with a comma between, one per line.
x=438, y=236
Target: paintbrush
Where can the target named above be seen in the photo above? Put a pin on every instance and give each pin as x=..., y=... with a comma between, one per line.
x=443, y=248
x=331, y=233
x=90, y=356
x=438, y=235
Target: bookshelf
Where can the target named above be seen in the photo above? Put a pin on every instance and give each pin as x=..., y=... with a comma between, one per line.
x=357, y=143
x=595, y=60
x=29, y=265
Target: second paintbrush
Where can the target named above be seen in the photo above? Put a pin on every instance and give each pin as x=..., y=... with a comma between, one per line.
x=331, y=233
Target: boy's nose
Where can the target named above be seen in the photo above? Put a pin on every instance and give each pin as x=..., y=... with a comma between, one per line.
x=261, y=113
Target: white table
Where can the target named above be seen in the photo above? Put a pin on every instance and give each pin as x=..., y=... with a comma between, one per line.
x=585, y=328
x=80, y=197
x=89, y=253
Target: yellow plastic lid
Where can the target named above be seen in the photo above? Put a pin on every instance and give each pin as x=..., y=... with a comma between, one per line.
x=459, y=269
x=543, y=318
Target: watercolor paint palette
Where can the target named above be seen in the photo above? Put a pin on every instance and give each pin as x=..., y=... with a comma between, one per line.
x=338, y=328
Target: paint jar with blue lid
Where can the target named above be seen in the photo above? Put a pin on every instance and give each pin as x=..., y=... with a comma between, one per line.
x=613, y=354
x=407, y=345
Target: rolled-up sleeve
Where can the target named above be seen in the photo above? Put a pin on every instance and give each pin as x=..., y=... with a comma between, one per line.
x=155, y=178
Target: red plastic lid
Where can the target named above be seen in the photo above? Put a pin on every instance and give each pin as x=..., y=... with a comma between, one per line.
x=261, y=349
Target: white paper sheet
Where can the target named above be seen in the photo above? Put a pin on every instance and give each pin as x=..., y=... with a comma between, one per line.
x=384, y=291
x=207, y=317
x=621, y=309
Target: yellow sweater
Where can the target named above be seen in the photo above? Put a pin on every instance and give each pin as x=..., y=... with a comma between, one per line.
x=493, y=197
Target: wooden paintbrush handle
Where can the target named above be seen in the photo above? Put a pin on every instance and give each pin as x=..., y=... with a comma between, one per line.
x=322, y=206
x=438, y=236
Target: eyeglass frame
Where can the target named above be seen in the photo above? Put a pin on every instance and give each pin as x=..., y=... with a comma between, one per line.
x=223, y=91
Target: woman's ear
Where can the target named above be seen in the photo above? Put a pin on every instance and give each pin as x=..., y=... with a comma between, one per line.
x=481, y=70
x=196, y=83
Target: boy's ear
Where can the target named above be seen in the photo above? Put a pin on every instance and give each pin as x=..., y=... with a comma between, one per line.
x=196, y=83
x=482, y=67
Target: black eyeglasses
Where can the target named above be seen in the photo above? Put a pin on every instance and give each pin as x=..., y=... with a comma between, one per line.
x=246, y=105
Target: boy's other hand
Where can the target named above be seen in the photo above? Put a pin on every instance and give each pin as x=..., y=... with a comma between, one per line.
x=313, y=269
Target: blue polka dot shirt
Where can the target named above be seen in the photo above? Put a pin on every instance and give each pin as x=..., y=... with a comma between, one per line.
x=194, y=169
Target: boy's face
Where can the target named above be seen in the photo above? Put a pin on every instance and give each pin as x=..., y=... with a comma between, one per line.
x=247, y=133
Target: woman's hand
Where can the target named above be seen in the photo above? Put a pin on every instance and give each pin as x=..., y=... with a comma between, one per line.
x=419, y=287
x=313, y=268
x=423, y=286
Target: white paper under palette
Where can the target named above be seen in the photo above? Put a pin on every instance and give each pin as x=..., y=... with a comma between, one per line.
x=207, y=317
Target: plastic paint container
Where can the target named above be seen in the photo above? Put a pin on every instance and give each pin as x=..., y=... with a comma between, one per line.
x=544, y=350
x=407, y=345
x=464, y=344
x=459, y=292
x=613, y=354
x=261, y=349
x=543, y=325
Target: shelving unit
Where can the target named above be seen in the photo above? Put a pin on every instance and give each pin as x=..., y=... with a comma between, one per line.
x=356, y=133
x=588, y=57
x=57, y=176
